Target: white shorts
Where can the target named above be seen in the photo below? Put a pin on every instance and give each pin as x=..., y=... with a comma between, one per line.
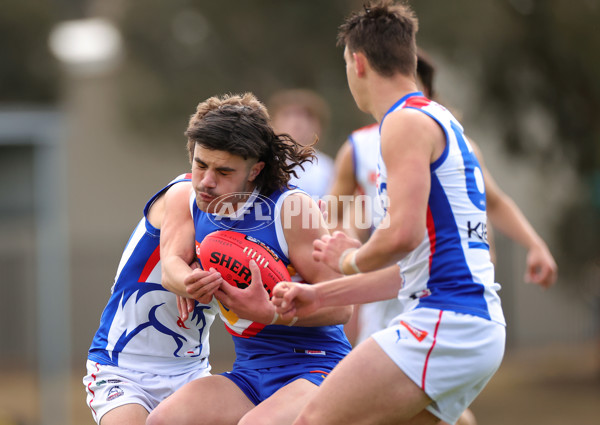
x=109, y=387
x=451, y=356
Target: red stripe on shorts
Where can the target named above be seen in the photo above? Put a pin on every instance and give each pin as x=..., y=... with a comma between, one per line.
x=437, y=326
x=92, y=391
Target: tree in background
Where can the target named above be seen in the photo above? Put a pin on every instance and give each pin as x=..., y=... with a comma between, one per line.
x=534, y=64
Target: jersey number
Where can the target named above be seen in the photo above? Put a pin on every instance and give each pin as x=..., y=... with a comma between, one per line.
x=473, y=173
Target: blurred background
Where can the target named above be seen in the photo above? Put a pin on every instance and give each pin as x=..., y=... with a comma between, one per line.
x=95, y=96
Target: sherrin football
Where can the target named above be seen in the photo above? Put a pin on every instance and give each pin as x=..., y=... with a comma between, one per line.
x=230, y=253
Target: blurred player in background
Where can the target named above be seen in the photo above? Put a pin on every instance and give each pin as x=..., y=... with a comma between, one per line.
x=142, y=350
x=304, y=115
x=238, y=158
x=443, y=348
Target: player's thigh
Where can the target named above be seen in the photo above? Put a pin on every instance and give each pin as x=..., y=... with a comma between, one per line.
x=214, y=400
x=283, y=406
x=127, y=414
x=367, y=387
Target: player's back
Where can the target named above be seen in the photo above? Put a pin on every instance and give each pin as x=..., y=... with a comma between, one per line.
x=451, y=269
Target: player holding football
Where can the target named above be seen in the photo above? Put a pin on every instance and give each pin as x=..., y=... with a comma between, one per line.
x=440, y=353
x=128, y=376
x=238, y=160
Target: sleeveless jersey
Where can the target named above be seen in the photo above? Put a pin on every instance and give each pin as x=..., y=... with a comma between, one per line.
x=317, y=177
x=258, y=345
x=365, y=156
x=140, y=328
x=451, y=268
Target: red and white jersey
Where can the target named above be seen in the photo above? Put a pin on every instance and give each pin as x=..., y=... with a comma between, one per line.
x=451, y=268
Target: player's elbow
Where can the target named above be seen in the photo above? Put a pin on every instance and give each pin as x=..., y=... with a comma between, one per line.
x=166, y=278
x=166, y=283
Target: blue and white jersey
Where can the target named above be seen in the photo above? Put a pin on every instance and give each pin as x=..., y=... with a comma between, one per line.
x=451, y=268
x=258, y=345
x=140, y=328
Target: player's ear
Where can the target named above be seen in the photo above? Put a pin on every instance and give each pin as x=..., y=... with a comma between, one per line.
x=255, y=170
x=360, y=61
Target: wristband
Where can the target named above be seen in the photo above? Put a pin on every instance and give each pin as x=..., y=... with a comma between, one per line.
x=275, y=317
x=353, y=262
x=343, y=257
x=294, y=320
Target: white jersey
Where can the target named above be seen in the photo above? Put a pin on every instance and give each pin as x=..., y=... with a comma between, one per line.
x=316, y=178
x=140, y=328
x=365, y=157
x=451, y=268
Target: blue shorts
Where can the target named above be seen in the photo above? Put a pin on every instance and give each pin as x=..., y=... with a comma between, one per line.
x=259, y=384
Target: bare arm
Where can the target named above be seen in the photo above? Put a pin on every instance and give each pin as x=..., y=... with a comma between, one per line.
x=409, y=142
x=292, y=299
x=302, y=222
x=506, y=216
x=344, y=186
x=300, y=239
x=177, y=249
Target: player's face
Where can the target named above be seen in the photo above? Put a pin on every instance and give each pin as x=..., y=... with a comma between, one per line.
x=298, y=123
x=219, y=176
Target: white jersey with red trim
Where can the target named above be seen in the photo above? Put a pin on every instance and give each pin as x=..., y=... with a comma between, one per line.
x=451, y=268
x=140, y=328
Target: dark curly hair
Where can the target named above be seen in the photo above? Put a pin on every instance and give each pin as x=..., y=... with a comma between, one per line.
x=240, y=125
x=386, y=33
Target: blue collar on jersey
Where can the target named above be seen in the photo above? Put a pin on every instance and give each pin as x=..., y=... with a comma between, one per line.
x=399, y=102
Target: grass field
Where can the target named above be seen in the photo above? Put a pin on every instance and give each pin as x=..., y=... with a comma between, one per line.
x=553, y=385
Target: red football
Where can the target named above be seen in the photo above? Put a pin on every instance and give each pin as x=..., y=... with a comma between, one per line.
x=230, y=253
